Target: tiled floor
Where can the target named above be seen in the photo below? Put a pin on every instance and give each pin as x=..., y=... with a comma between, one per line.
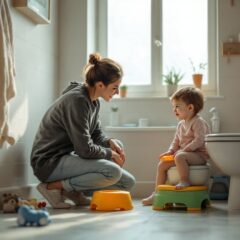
x=140, y=223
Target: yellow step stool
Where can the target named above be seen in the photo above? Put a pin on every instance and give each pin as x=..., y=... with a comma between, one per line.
x=111, y=200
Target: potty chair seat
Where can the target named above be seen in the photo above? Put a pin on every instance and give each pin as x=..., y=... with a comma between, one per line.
x=111, y=200
x=199, y=175
x=194, y=198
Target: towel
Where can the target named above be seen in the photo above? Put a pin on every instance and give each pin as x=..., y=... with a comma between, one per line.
x=7, y=71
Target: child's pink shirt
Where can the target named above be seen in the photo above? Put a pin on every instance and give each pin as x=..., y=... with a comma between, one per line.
x=190, y=135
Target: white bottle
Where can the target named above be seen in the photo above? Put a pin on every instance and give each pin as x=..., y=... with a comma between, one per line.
x=114, y=119
x=215, y=120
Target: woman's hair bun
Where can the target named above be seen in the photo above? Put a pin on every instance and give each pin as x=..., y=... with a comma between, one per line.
x=94, y=58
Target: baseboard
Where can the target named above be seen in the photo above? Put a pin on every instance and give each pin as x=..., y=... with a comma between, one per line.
x=142, y=189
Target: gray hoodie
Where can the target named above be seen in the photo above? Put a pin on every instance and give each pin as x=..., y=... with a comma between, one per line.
x=71, y=124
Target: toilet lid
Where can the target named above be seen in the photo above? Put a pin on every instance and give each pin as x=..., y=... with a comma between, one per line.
x=223, y=137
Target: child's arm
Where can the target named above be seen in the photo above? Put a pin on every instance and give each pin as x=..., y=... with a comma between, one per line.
x=174, y=146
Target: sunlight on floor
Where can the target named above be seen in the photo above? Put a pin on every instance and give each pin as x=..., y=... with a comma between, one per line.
x=64, y=221
x=140, y=223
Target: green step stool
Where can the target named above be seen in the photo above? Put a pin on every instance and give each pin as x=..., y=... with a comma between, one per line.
x=194, y=198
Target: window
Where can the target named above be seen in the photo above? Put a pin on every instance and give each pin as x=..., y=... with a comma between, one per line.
x=149, y=37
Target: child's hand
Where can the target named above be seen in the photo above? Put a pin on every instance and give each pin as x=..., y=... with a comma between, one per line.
x=166, y=155
x=167, y=158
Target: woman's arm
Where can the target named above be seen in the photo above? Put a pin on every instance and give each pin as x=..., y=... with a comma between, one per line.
x=76, y=121
x=99, y=137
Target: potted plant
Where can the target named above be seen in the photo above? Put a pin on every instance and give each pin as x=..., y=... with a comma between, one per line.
x=172, y=78
x=197, y=73
x=123, y=90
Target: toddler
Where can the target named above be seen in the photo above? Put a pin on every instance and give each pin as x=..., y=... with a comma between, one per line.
x=187, y=147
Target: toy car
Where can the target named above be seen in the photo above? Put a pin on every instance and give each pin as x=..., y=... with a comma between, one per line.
x=27, y=215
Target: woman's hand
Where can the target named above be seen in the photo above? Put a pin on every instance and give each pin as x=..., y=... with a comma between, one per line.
x=116, y=148
x=117, y=158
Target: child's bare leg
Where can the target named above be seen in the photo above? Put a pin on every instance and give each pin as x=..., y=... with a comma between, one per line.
x=182, y=161
x=160, y=179
x=163, y=167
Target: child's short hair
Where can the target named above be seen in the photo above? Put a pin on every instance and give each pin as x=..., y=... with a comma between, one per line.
x=190, y=95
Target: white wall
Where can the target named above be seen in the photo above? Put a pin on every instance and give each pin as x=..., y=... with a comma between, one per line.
x=72, y=40
x=36, y=55
x=142, y=148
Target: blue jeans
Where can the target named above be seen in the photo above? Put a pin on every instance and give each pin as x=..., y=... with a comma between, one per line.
x=87, y=175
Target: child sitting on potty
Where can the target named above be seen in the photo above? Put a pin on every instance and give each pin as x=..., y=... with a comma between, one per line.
x=187, y=147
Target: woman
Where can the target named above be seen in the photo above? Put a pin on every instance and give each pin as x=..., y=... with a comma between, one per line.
x=71, y=154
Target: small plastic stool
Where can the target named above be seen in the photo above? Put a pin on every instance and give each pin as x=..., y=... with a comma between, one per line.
x=111, y=200
x=219, y=187
x=194, y=198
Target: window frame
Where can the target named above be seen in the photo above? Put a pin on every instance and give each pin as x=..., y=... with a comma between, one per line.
x=157, y=88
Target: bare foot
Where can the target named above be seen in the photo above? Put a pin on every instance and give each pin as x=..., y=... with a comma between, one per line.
x=149, y=200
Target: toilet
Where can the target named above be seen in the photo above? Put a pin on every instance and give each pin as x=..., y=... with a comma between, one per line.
x=199, y=175
x=224, y=150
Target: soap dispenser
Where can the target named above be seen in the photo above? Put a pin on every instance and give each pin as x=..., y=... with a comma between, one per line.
x=215, y=120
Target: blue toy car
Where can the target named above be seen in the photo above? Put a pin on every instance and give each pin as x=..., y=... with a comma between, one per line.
x=27, y=215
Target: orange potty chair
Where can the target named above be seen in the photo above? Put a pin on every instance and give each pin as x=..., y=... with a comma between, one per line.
x=111, y=200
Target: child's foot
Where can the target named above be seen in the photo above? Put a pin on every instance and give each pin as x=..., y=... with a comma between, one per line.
x=77, y=197
x=182, y=184
x=149, y=200
x=54, y=197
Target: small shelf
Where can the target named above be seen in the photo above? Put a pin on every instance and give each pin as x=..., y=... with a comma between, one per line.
x=231, y=48
x=140, y=129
